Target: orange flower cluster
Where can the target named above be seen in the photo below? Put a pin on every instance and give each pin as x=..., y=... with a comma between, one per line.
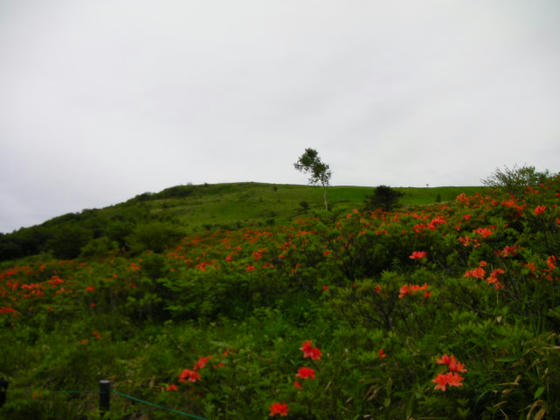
x=193, y=375
x=539, y=210
x=310, y=351
x=480, y=273
x=279, y=408
x=477, y=273
x=411, y=289
x=508, y=251
x=417, y=255
x=451, y=377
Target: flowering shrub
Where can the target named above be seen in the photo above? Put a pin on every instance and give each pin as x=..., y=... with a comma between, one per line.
x=382, y=293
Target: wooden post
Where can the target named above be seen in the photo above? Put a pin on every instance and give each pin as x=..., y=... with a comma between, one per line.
x=104, y=396
x=4, y=384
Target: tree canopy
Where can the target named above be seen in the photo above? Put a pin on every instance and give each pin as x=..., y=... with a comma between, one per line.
x=318, y=171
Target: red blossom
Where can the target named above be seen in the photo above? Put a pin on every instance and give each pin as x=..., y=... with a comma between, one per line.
x=189, y=375
x=172, y=387
x=310, y=351
x=382, y=354
x=452, y=363
x=404, y=290
x=279, y=408
x=416, y=255
x=449, y=378
x=412, y=289
x=493, y=278
x=484, y=232
x=202, y=361
x=508, y=251
x=443, y=360
x=551, y=262
x=477, y=273
x=305, y=373
x=539, y=210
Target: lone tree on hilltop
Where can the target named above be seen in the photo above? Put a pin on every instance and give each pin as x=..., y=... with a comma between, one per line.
x=319, y=172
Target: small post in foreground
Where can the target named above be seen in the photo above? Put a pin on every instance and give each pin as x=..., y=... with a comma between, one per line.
x=104, y=396
x=4, y=384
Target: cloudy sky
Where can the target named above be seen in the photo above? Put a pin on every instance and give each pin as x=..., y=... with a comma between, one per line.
x=103, y=100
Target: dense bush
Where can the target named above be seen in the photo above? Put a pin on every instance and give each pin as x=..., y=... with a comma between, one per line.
x=514, y=180
x=67, y=241
x=384, y=198
x=154, y=236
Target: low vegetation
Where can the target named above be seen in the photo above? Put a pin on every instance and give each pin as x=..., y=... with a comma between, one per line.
x=444, y=309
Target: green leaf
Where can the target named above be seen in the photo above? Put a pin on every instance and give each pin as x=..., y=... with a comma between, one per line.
x=539, y=392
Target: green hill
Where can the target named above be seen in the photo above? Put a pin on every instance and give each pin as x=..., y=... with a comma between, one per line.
x=199, y=300
x=186, y=209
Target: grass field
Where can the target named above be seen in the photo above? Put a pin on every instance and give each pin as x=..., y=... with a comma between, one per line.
x=248, y=204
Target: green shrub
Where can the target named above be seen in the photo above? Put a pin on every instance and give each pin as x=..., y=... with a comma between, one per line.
x=383, y=197
x=67, y=241
x=154, y=236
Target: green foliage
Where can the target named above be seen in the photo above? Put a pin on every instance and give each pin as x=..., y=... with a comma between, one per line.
x=67, y=241
x=383, y=197
x=98, y=248
x=219, y=206
x=384, y=297
x=318, y=171
x=154, y=236
x=514, y=180
x=304, y=206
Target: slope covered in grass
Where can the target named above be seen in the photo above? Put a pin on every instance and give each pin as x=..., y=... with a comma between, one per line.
x=189, y=209
x=447, y=310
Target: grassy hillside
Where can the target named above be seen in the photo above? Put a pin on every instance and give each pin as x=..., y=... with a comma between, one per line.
x=188, y=209
x=434, y=310
x=253, y=204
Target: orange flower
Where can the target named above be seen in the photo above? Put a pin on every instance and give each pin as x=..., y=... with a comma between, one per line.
x=305, y=373
x=310, y=351
x=441, y=381
x=484, y=232
x=404, y=290
x=477, y=273
x=417, y=255
x=449, y=378
x=539, y=210
x=279, y=408
x=453, y=364
x=443, y=360
x=201, y=362
x=189, y=375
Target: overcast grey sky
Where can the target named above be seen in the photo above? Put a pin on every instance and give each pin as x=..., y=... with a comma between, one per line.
x=103, y=100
